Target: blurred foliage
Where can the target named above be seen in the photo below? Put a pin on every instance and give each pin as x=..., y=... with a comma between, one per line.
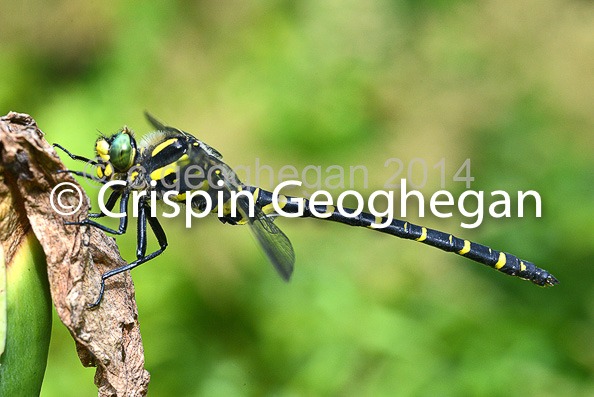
x=507, y=84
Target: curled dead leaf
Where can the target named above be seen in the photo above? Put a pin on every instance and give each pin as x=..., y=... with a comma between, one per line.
x=109, y=336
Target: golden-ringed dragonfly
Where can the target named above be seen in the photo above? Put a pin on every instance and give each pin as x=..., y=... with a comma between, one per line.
x=149, y=166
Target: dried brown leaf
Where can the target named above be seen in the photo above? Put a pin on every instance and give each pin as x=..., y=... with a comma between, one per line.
x=107, y=337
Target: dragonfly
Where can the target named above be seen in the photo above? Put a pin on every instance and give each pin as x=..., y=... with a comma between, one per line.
x=153, y=167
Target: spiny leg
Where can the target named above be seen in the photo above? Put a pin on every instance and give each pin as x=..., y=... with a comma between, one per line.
x=74, y=156
x=113, y=198
x=141, y=237
x=84, y=175
x=141, y=244
x=80, y=158
x=123, y=220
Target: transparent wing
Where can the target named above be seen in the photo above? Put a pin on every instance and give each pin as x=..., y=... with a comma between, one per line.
x=158, y=125
x=273, y=241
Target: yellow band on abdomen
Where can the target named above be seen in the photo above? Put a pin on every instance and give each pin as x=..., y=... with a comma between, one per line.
x=466, y=248
x=423, y=235
x=501, y=262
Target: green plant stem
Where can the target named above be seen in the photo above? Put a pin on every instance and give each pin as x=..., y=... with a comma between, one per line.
x=29, y=320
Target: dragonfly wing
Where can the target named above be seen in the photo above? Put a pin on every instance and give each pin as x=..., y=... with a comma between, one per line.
x=273, y=241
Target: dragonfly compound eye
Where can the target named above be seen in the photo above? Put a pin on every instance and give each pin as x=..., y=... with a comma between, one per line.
x=121, y=152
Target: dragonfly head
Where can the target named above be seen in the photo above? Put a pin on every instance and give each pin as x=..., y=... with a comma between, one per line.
x=119, y=150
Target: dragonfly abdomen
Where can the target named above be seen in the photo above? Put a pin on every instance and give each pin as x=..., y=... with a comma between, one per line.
x=501, y=261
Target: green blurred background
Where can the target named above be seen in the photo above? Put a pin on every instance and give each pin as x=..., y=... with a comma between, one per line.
x=507, y=84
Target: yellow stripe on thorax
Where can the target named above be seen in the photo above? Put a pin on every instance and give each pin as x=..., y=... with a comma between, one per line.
x=183, y=160
x=162, y=172
x=170, y=168
x=163, y=145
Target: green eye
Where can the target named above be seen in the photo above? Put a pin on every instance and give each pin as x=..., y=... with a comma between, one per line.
x=121, y=152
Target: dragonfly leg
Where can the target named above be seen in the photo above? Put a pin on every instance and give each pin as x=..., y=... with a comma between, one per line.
x=113, y=198
x=141, y=244
x=74, y=156
x=123, y=220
